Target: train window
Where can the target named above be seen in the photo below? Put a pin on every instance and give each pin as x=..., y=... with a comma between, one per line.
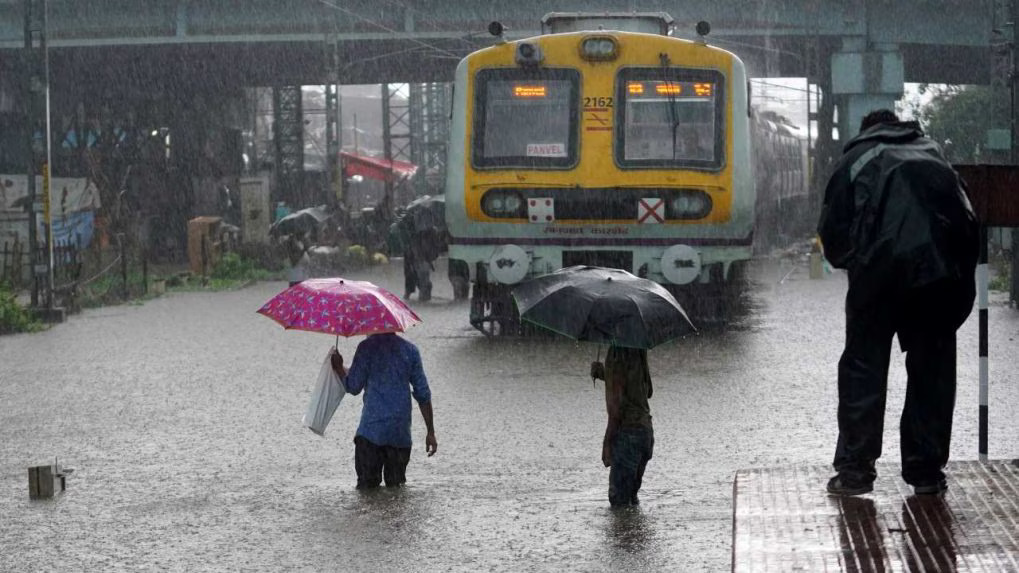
x=525, y=118
x=670, y=117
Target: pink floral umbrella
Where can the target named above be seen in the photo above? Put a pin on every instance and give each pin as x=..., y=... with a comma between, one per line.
x=341, y=307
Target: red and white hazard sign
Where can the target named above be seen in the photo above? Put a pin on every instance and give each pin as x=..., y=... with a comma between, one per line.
x=541, y=210
x=651, y=210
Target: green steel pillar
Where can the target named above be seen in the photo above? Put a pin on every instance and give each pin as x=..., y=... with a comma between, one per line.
x=288, y=136
x=334, y=124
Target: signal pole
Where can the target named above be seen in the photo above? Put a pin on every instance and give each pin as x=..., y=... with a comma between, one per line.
x=37, y=116
x=1013, y=291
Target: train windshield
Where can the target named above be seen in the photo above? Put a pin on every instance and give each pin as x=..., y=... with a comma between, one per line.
x=525, y=118
x=671, y=117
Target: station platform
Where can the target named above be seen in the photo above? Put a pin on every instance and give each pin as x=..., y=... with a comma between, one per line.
x=783, y=520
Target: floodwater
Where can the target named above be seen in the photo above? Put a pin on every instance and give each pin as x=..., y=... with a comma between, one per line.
x=182, y=419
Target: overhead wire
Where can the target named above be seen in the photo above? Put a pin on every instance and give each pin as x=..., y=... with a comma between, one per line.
x=388, y=29
x=466, y=38
x=765, y=82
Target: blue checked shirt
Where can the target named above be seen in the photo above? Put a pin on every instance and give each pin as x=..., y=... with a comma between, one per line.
x=388, y=369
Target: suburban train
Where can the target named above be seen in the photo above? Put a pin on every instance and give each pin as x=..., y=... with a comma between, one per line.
x=784, y=211
x=604, y=141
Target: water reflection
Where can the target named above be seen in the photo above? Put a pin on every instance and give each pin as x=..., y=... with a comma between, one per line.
x=629, y=529
x=930, y=526
x=923, y=540
x=861, y=536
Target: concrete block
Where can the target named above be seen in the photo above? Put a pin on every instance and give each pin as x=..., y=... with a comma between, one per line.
x=53, y=315
x=46, y=481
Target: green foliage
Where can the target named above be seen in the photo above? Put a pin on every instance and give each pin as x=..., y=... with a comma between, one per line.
x=233, y=267
x=14, y=317
x=1001, y=276
x=958, y=117
x=357, y=255
x=109, y=289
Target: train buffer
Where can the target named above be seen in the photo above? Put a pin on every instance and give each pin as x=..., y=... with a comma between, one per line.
x=783, y=520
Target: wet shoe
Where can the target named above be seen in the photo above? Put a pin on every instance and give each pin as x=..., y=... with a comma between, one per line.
x=842, y=485
x=932, y=488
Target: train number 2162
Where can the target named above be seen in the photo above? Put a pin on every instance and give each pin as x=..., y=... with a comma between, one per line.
x=598, y=102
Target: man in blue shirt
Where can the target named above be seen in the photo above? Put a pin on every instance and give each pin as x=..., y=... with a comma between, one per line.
x=388, y=369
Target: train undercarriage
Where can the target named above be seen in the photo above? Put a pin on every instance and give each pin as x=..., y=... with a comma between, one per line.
x=708, y=304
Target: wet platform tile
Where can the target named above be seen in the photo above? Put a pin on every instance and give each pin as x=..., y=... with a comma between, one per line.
x=784, y=521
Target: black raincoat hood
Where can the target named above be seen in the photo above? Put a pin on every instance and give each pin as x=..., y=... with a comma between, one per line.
x=897, y=132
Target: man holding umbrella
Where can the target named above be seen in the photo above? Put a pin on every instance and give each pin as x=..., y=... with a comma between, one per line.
x=388, y=368
x=629, y=436
x=631, y=315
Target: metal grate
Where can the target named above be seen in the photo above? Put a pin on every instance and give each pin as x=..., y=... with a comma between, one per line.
x=784, y=521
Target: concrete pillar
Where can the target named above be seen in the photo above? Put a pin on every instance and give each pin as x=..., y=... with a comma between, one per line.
x=864, y=77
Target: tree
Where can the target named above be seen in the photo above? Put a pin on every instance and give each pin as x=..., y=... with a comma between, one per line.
x=958, y=117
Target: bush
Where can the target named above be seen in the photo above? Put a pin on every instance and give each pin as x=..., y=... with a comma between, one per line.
x=271, y=256
x=1001, y=282
x=13, y=317
x=357, y=255
x=233, y=267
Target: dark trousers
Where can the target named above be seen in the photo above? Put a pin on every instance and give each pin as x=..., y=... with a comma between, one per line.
x=410, y=281
x=926, y=425
x=373, y=463
x=417, y=276
x=631, y=451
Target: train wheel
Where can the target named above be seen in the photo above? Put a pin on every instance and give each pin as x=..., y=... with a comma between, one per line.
x=493, y=311
x=459, y=277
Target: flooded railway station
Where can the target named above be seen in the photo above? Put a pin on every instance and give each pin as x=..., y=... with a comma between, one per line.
x=182, y=421
x=170, y=170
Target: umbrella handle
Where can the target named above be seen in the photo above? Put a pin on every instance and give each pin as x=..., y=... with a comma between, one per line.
x=337, y=345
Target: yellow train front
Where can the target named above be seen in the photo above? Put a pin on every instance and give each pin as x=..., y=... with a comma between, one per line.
x=625, y=149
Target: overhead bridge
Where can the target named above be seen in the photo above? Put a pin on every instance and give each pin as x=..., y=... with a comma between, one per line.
x=265, y=42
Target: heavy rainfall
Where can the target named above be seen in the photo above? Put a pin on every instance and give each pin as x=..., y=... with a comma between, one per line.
x=203, y=207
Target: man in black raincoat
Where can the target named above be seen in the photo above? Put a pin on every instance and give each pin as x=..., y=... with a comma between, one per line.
x=896, y=217
x=421, y=236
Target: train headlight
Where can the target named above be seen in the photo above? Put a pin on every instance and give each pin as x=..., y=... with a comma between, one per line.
x=691, y=205
x=501, y=204
x=528, y=54
x=599, y=48
x=513, y=203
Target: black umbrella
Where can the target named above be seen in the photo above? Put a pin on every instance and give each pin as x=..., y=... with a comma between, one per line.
x=608, y=306
x=427, y=212
x=301, y=222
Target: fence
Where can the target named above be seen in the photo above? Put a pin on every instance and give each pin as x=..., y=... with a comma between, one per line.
x=15, y=271
x=12, y=264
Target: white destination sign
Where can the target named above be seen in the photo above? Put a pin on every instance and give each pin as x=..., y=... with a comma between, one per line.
x=546, y=150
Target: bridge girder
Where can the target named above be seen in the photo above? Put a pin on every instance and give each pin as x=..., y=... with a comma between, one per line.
x=280, y=41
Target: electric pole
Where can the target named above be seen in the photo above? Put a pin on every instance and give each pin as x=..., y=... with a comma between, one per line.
x=37, y=120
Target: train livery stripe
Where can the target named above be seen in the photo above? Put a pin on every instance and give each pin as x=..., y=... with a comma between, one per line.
x=601, y=242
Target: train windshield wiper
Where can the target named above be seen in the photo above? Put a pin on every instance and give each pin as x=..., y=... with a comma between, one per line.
x=670, y=91
x=674, y=116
